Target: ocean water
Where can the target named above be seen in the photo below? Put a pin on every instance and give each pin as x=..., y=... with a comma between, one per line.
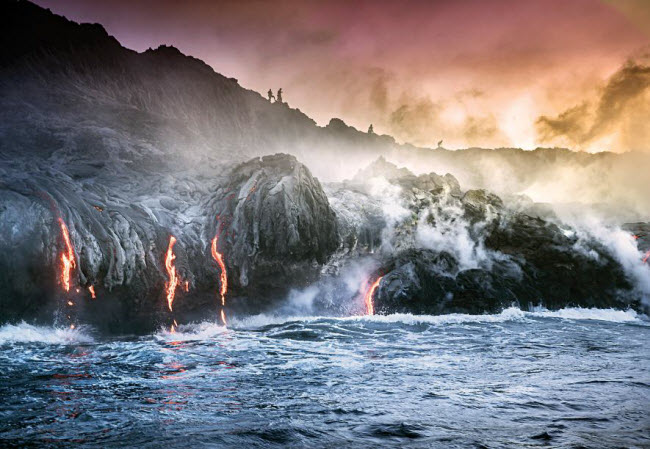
x=572, y=378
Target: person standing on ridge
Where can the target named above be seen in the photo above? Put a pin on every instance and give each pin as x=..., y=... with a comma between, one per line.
x=279, y=95
x=271, y=96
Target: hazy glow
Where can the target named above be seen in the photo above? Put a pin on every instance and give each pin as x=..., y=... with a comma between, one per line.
x=470, y=72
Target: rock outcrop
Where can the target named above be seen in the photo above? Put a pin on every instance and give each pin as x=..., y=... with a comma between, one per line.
x=276, y=226
x=128, y=149
x=469, y=252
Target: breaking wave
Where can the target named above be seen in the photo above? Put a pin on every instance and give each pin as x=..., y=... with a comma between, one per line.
x=28, y=333
x=193, y=331
x=578, y=313
x=509, y=314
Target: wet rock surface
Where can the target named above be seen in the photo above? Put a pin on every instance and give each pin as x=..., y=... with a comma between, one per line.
x=469, y=252
x=276, y=222
x=273, y=217
x=441, y=250
x=129, y=149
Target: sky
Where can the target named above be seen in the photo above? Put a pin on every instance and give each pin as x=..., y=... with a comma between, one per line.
x=486, y=73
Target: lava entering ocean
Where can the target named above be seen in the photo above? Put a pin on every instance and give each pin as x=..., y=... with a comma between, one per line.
x=173, y=282
x=223, y=277
x=370, y=305
x=67, y=257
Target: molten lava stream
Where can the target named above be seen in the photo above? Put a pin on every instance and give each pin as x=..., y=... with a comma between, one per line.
x=223, y=277
x=646, y=256
x=368, y=297
x=174, y=281
x=91, y=289
x=67, y=257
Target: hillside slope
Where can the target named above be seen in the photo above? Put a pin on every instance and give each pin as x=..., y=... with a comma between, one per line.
x=69, y=89
x=167, y=191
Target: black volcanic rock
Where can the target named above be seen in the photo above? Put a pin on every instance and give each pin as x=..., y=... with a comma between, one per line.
x=131, y=148
x=541, y=267
x=277, y=222
x=520, y=259
x=274, y=219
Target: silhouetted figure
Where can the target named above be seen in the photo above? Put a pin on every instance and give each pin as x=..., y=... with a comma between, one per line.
x=440, y=144
x=280, y=95
x=371, y=130
x=271, y=96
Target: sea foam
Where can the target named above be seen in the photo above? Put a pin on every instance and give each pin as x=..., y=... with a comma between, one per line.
x=28, y=333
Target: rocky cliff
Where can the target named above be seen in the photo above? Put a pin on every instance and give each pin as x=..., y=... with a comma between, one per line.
x=132, y=193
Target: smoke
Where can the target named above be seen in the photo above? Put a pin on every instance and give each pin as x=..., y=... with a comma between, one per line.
x=340, y=294
x=300, y=302
x=620, y=243
x=389, y=197
x=442, y=227
x=422, y=121
x=617, y=117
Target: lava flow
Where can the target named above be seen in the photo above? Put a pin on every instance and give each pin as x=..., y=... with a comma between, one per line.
x=91, y=289
x=370, y=305
x=223, y=277
x=67, y=257
x=646, y=256
x=173, y=282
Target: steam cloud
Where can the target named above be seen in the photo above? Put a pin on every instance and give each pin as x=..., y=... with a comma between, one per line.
x=621, y=109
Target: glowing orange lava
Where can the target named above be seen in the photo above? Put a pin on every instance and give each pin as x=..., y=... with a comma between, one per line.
x=67, y=257
x=646, y=256
x=223, y=278
x=173, y=282
x=370, y=305
x=91, y=289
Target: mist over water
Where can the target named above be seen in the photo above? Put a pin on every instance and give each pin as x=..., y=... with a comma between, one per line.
x=575, y=377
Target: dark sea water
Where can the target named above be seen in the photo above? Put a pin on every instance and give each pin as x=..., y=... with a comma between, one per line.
x=574, y=378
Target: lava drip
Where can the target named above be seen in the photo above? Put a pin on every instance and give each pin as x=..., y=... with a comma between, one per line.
x=67, y=257
x=91, y=289
x=368, y=296
x=223, y=277
x=68, y=263
x=174, y=281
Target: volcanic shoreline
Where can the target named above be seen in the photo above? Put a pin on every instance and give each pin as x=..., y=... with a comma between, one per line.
x=144, y=189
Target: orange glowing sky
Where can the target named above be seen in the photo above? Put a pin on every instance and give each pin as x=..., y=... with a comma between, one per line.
x=485, y=73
